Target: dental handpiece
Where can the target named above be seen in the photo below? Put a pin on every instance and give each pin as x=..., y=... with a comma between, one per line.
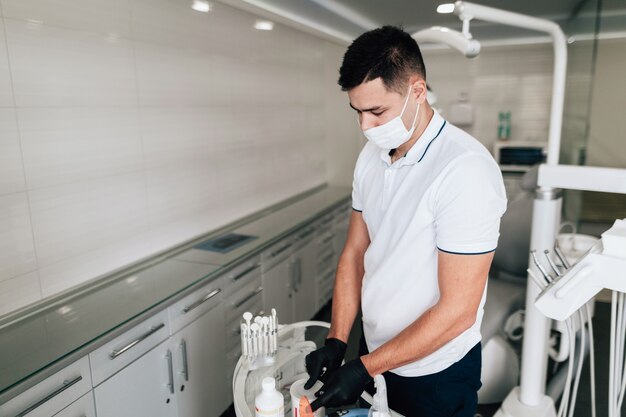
x=562, y=258
x=551, y=263
x=533, y=254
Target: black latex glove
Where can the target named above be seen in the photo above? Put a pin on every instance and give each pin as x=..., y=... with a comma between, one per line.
x=320, y=364
x=344, y=387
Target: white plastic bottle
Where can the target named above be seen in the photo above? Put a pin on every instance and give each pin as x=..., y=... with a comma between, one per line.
x=269, y=402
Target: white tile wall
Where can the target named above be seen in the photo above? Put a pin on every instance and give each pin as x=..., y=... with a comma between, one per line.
x=11, y=170
x=54, y=66
x=101, y=16
x=79, y=217
x=73, y=144
x=130, y=126
x=17, y=252
x=516, y=79
x=19, y=291
x=6, y=90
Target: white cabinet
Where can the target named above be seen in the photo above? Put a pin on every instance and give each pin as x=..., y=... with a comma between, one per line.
x=200, y=366
x=53, y=394
x=145, y=388
x=277, y=291
x=83, y=407
x=305, y=278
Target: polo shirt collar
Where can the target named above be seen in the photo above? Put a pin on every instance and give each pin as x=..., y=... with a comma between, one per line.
x=419, y=148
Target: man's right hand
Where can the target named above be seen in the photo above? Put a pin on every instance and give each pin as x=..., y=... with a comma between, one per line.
x=320, y=364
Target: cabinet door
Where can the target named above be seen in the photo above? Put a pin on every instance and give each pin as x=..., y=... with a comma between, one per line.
x=305, y=294
x=145, y=388
x=200, y=366
x=83, y=407
x=277, y=291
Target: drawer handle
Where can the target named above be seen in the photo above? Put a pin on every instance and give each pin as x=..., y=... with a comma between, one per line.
x=183, y=346
x=327, y=220
x=281, y=250
x=117, y=352
x=66, y=385
x=202, y=300
x=306, y=234
x=249, y=297
x=247, y=271
x=170, y=371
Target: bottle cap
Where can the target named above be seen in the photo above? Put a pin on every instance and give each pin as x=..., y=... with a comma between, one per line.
x=268, y=384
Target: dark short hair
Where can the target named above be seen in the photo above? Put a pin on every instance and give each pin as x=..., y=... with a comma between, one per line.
x=387, y=52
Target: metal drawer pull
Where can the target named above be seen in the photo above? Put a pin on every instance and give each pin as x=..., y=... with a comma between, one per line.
x=247, y=271
x=281, y=250
x=328, y=239
x=170, y=371
x=249, y=297
x=117, y=352
x=183, y=346
x=41, y=402
x=327, y=220
x=307, y=233
x=202, y=300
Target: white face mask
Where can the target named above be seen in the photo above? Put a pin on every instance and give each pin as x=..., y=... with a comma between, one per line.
x=393, y=133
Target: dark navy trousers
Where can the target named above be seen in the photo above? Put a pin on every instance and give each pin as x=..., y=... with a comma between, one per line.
x=449, y=393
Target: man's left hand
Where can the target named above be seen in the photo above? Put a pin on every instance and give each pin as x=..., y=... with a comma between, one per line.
x=344, y=387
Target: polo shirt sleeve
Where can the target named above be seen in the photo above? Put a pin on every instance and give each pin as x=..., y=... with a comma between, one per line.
x=468, y=205
x=357, y=196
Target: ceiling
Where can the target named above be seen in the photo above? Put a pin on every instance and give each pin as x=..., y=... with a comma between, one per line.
x=346, y=19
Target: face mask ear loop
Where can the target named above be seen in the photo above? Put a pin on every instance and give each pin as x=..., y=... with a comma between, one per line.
x=406, y=101
x=416, y=113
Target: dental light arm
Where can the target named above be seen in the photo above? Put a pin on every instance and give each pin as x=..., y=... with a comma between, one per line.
x=453, y=38
x=467, y=11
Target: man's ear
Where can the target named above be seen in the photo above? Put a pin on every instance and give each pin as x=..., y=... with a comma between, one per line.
x=419, y=89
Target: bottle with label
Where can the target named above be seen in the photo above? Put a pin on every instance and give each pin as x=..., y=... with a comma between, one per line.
x=504, y=125
x=269, y=402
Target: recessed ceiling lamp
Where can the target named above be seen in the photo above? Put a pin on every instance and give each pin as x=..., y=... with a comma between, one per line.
x=263, y=25
x=201, y=6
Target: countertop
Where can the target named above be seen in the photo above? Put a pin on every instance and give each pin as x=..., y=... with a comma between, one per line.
x=55, y=333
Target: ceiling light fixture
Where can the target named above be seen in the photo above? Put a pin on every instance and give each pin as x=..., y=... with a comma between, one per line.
x=445, y=8
x=201, y=6
x=263, y=25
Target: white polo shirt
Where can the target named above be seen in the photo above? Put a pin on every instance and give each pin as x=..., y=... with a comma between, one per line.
x=446, y=194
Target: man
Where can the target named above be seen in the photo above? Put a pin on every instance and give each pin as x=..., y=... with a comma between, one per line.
x=427, y=201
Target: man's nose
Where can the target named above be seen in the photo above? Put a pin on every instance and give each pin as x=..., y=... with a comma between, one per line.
x=367, y=121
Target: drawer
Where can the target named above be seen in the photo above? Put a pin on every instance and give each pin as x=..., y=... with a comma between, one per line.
x=233, y=328
x=242, y=274
x=195, y=304
x=53, y=394
x=326, y=220
x=127, y=347
x=325, y=237
x=305, y=235
x=83, y=407
x=248, y=298
x=326, y=261
x=276, y=253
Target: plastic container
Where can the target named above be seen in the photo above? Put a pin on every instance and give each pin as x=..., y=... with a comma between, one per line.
x=297, y=390
x=269, y=402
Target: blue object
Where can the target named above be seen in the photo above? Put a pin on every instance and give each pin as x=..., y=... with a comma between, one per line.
x=225, y=243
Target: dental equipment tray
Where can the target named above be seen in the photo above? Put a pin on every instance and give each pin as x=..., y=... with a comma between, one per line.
x=288, y=368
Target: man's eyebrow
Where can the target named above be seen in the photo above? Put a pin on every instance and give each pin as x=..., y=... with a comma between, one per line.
x=366, y=110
